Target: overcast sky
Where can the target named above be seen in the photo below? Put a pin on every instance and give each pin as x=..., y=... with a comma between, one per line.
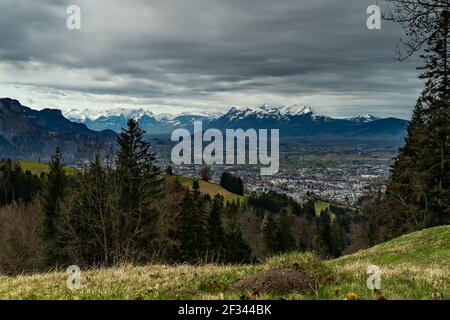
x=185, y=55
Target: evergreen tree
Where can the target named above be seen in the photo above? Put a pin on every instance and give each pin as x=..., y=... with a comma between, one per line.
x=236, y=249
x=193, y=228
x=437, y=97
x=232, y=183
x=17, y=185
x=284, y=240
x=269, y=227
x=417, y=194
x=337, y=237
x=140, y=186
x=239, y=186
x=52, y=198
x=324, y=232
x=215, y=228
x=305, y=234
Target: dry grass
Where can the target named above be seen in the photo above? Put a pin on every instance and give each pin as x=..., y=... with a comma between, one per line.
x=414, y=266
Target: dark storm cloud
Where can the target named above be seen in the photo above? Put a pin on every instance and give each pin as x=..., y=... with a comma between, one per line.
x=209, y=52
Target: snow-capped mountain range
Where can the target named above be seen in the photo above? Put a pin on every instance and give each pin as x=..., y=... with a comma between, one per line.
x=262, y=111
x=268, y=111
x=26, y=133
x=81, y=115
x=292, y=120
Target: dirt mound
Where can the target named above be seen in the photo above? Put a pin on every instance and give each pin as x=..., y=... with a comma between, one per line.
x=282, y=280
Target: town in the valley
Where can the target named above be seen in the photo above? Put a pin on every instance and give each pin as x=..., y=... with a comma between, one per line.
x=344, y=183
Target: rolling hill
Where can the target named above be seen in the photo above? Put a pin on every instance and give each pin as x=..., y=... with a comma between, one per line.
x=414, y=266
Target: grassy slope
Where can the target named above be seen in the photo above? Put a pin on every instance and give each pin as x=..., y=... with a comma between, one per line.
x=415, y=266
x=320, y=206
x=37, y=168
x=210, y=188
x=205, y=187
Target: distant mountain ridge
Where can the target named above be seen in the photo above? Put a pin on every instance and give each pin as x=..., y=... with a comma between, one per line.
x=116, y=119
x=296, y=120
x=30, y=134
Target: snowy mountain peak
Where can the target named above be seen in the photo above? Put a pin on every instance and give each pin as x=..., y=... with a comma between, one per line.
x=82, y=115
x=364, y=118
x=269, y=111
x=296, y=110
x=267, y=108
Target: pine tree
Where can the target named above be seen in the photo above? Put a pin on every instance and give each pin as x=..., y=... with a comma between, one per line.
x=239, y=186
x=284, y=240
x=337, y=237
x=17, y=185
x=269, y=226
x=437, y=97
x=193, y=228
x=140, y=186
x=236, y=249
x=305, y=234
x=437, y=63
x=215, y=229
x=232, y=183
x=324, y=232
x=52, y=198
x=417, y=194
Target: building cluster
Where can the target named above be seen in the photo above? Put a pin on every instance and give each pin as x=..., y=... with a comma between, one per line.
x=341, y=183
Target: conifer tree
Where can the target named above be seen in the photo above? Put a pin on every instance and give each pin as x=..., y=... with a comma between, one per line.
x=324, y=232
x=437, y=139
x=140, y=185
x=417, y=194
x=89, y=220
x=337, y=237
x=269, y=226
x=232, y=183
x=193, y=228
x=215, y=229
x=52, y=198
x=236, y=248
x=284, y=240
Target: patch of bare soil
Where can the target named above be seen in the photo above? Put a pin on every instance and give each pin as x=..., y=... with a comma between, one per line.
x=282, y=280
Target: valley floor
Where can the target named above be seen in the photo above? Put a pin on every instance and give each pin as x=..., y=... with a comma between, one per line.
x=414, y=266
